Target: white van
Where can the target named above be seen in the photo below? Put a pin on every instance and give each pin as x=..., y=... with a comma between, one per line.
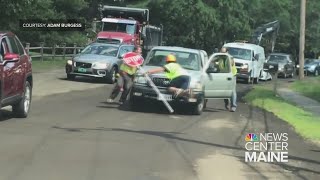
x=249, y=60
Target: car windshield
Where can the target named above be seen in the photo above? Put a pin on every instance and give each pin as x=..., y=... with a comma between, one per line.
x=312, y=61
x=187, y=60
x=101, y=49
x=239, y=53
x=119, y=27
x=277, y=58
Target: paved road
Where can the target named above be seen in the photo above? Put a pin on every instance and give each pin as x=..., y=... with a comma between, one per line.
x=77, y=136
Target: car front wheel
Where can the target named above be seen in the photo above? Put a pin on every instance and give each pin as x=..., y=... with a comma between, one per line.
x=22, y=108
x=197, y=108
x=111, y=76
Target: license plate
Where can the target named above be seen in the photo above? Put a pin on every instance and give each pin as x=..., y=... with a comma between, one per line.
x=82, y=70
x=167, y=97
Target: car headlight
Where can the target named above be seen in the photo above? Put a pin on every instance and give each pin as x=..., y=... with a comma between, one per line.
x=298, y=66
x=140, y=80
x=196, y=86
x=100, y=65
x=69, y=62
x=245, y=66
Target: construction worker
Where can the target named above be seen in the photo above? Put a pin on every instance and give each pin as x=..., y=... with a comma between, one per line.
x=124, y=81
x=179, y=78
x=224, y=67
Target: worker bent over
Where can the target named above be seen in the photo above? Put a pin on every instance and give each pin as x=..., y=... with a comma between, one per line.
x=124, y=81
x=179, y=78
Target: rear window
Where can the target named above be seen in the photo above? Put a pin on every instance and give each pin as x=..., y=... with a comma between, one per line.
x=277, y=58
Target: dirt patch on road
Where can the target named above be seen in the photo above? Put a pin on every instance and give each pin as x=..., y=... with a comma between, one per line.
x=55, y=82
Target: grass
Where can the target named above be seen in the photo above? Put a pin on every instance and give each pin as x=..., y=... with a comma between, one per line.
x=309, y=87
x=48, y=64
x=303, y=122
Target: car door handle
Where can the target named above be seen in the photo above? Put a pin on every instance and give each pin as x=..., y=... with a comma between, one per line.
x=229, y=78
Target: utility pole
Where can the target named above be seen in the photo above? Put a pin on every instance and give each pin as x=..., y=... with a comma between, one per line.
x=302, y=38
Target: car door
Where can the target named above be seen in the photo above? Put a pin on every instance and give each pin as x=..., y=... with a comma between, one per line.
x=7, y=69
x=21, y=67
x=218, y=83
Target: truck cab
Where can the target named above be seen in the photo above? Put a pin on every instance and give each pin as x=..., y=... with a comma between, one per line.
x=119, y=31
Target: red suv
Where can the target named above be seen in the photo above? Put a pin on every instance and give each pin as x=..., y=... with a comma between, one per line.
x=16, y=75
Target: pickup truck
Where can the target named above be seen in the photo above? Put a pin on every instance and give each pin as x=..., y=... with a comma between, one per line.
x=207, y=81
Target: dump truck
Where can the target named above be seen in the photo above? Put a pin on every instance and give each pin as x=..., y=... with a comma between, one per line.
x=124, y=25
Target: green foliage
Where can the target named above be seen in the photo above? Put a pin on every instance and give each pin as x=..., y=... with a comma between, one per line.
x=202, y=24
x=309, y=87
x=303, y=122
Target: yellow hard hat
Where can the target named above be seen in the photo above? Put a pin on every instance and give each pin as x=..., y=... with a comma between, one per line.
x=171, y=58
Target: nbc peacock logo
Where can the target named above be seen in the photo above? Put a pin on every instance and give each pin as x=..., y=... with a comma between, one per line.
x=251, y=137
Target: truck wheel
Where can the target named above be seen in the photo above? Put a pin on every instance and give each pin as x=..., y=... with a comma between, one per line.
x=111, y=77
x=22, y=108
x=198, y=107
x=71, y=76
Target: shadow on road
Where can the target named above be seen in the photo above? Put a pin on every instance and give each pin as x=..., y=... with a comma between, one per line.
x=173, y=136
x=89, y=80
x=154, y=108
x=6, y=115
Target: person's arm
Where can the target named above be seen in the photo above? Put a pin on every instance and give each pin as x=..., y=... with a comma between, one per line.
x=156, y=70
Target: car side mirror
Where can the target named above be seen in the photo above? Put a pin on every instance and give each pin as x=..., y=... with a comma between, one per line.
x=256, y=57
x=212, y=70
x=11, y=57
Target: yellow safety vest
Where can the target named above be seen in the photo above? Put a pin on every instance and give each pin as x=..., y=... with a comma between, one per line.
x=174, y=70
x=224, y=67
x=128, y=69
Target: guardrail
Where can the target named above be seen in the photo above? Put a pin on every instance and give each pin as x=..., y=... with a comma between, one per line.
x=64, y=48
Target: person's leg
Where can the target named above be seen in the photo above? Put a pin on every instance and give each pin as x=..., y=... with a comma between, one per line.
x=226, y=103
x=116, y=90
x=234, y=99
x=127, y=87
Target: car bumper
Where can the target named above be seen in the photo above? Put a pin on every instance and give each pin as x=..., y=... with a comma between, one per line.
x=146, y=92
x=243, y=75
x=90, y=72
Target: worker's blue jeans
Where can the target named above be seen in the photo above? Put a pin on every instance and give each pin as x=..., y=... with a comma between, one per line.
x=233, y=97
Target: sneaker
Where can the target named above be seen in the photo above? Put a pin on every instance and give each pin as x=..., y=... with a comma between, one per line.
x=120, y=102
x=110, y=100
x=121, y=90
x=233, y=109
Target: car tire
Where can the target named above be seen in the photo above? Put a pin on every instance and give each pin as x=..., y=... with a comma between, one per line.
x=316, y=72
x=197, y=108
x=111, y=77
x=22, y=108
x=71, y=76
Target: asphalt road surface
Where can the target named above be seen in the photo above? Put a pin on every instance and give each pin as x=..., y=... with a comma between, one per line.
x=77, y=136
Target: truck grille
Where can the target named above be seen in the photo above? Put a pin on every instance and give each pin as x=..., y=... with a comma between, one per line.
x=162, y=82
x=83, y=65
